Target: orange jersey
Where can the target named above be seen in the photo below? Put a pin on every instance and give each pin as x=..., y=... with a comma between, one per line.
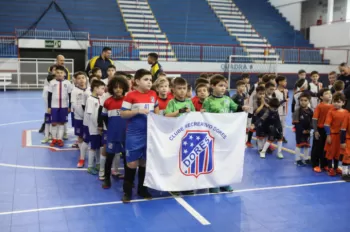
x=334, y=119
x=321, y=112
x=346, y=152
x=345, y=126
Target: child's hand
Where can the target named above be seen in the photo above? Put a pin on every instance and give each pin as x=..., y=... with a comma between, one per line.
x=252, y=127
x=100, y=130
x=317, y=135
x=188, y=110
x=329, y=139
x=245, y=108
x=202, y=110
x=306, y=132
x=49, y=110
x=143, y=111
x=69, y=110
x=343, y=145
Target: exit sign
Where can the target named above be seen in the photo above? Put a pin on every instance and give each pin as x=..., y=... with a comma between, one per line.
x=52, y=43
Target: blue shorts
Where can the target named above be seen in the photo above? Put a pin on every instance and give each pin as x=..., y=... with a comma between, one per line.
x=104, y=137
x=95, y=142
x=134, y=155
x=59, y=115
x=47, y=118
x=72, y=119
x=115, y=147
x=86, y=134
x=78, y=128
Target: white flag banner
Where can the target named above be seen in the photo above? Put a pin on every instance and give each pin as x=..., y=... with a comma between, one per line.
x=195, y=151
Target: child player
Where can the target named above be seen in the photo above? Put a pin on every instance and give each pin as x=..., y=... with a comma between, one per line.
x=162, y=88
x=315, y=88
x=240, y=95
x=110, y=74
x=302, y=119
x=332, y=126
x=219, y=103
x=301, y=75
x=189, y=91
x=318, y=159
x=246, y=80
x=338, y=86
x=345, y=148
x=97, y=72
x=271, y=124
x=282, y=95
x=93, y=110
x=59, y=104
x=202, y=92
x=78, y=95
x=332, y=77
x=136, y=106
x=116, y=126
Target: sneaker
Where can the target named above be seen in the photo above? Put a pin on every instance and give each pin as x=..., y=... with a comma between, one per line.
x=126, y=198
x=307, y=161
x=106, y=183
x=331, y=172
x=249, y=145
x=80, y=164
x=262, y=155
x=60, y=143
x=339, y=171
x=280, y=155
x=53, y=143
x=175, y=193
x=317, y=169
x=75, y=145
x=118, y=176
x=284, y=140
x=114, y=172
x=214, y=190
x=45, y=140
x=191, y=192
x=346, y=178
x=326, y=168
x=97, y=167
x=65, y=136
x=101, y=175
x=92, y=171
x=143, y=192
x=272, y=148
x=299, y=163
x=226, y=189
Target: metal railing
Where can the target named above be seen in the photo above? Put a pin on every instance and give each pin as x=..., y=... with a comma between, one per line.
x=51, y=34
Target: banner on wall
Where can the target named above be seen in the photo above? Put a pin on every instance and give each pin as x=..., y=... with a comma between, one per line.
x=195, y=151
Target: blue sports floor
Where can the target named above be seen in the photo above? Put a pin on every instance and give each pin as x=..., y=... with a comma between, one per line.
x=41, y=190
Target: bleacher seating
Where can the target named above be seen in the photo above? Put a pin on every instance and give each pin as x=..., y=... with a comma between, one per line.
x=270, y=23
x=99, y=18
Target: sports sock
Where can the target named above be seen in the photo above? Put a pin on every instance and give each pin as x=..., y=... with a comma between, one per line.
x=345, y=169
x=279, y=146
x=54, y=132
x=306, y=153
x=47, y=130
x=91, y=158
x=250, y=135
x=64, y=129
x=297, y=154
x=129, y=180
x=83, y=149
x=141, y=176
x=102, y=163
x=266, y=145
x=330, y=164
x=260, y=144
x=336, y=164
x=60, y=132
x=97, y=156
x=116, y=162
x=108, y=164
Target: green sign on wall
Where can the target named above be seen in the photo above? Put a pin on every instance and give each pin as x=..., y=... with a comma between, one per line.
x=52, y=43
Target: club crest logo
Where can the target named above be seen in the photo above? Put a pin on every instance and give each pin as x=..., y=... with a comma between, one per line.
x=152, y=99
x=196, y=154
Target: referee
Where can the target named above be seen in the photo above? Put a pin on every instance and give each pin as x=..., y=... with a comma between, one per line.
x=102, y=61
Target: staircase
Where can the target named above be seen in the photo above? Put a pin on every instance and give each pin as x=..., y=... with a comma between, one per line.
x=144, y=29
x=238, y=26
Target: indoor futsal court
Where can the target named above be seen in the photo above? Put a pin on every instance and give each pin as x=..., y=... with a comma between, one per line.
x=41, y=190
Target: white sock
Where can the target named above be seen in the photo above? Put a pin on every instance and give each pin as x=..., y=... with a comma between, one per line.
x=266, y=145
x=116, y=162
x=50, y=130
x=260, y=144
x=60, y=132
x=102, y=163
x=83, y=149
x=297, y=154
x=54, y=130
x=92, y=154
x=306, y=153
x=65, y=128
x=345, y=170
x=279, y=146
x=97, y=156
x=47, y=130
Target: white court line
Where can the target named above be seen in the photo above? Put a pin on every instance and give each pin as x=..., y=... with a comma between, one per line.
x=192, y=211
x=20, y=98
x=161, y=198
x=44, y=168
x=21, y=122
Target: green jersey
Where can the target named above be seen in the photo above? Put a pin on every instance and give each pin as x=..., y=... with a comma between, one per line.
x=175, y=105
x=222, y=104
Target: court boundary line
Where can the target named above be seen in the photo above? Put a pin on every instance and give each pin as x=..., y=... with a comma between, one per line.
x=44, y=168
x=20, y=122
x=171, y=197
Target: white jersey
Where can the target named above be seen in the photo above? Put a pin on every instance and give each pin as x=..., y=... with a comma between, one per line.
x=105, y=81
x=315, y=88
x=78, y=100
x=92, y=106
x=282, y=96
x=87, y=94
x=104, y=97
x=60, y=91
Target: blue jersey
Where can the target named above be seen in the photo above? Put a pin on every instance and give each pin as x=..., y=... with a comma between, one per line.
x=116, y=125
x=136, y=132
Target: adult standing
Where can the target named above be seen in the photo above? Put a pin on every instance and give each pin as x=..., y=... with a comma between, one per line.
x=156, y=68
x=102, y=61
x=344, y=70
x=60, y=59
